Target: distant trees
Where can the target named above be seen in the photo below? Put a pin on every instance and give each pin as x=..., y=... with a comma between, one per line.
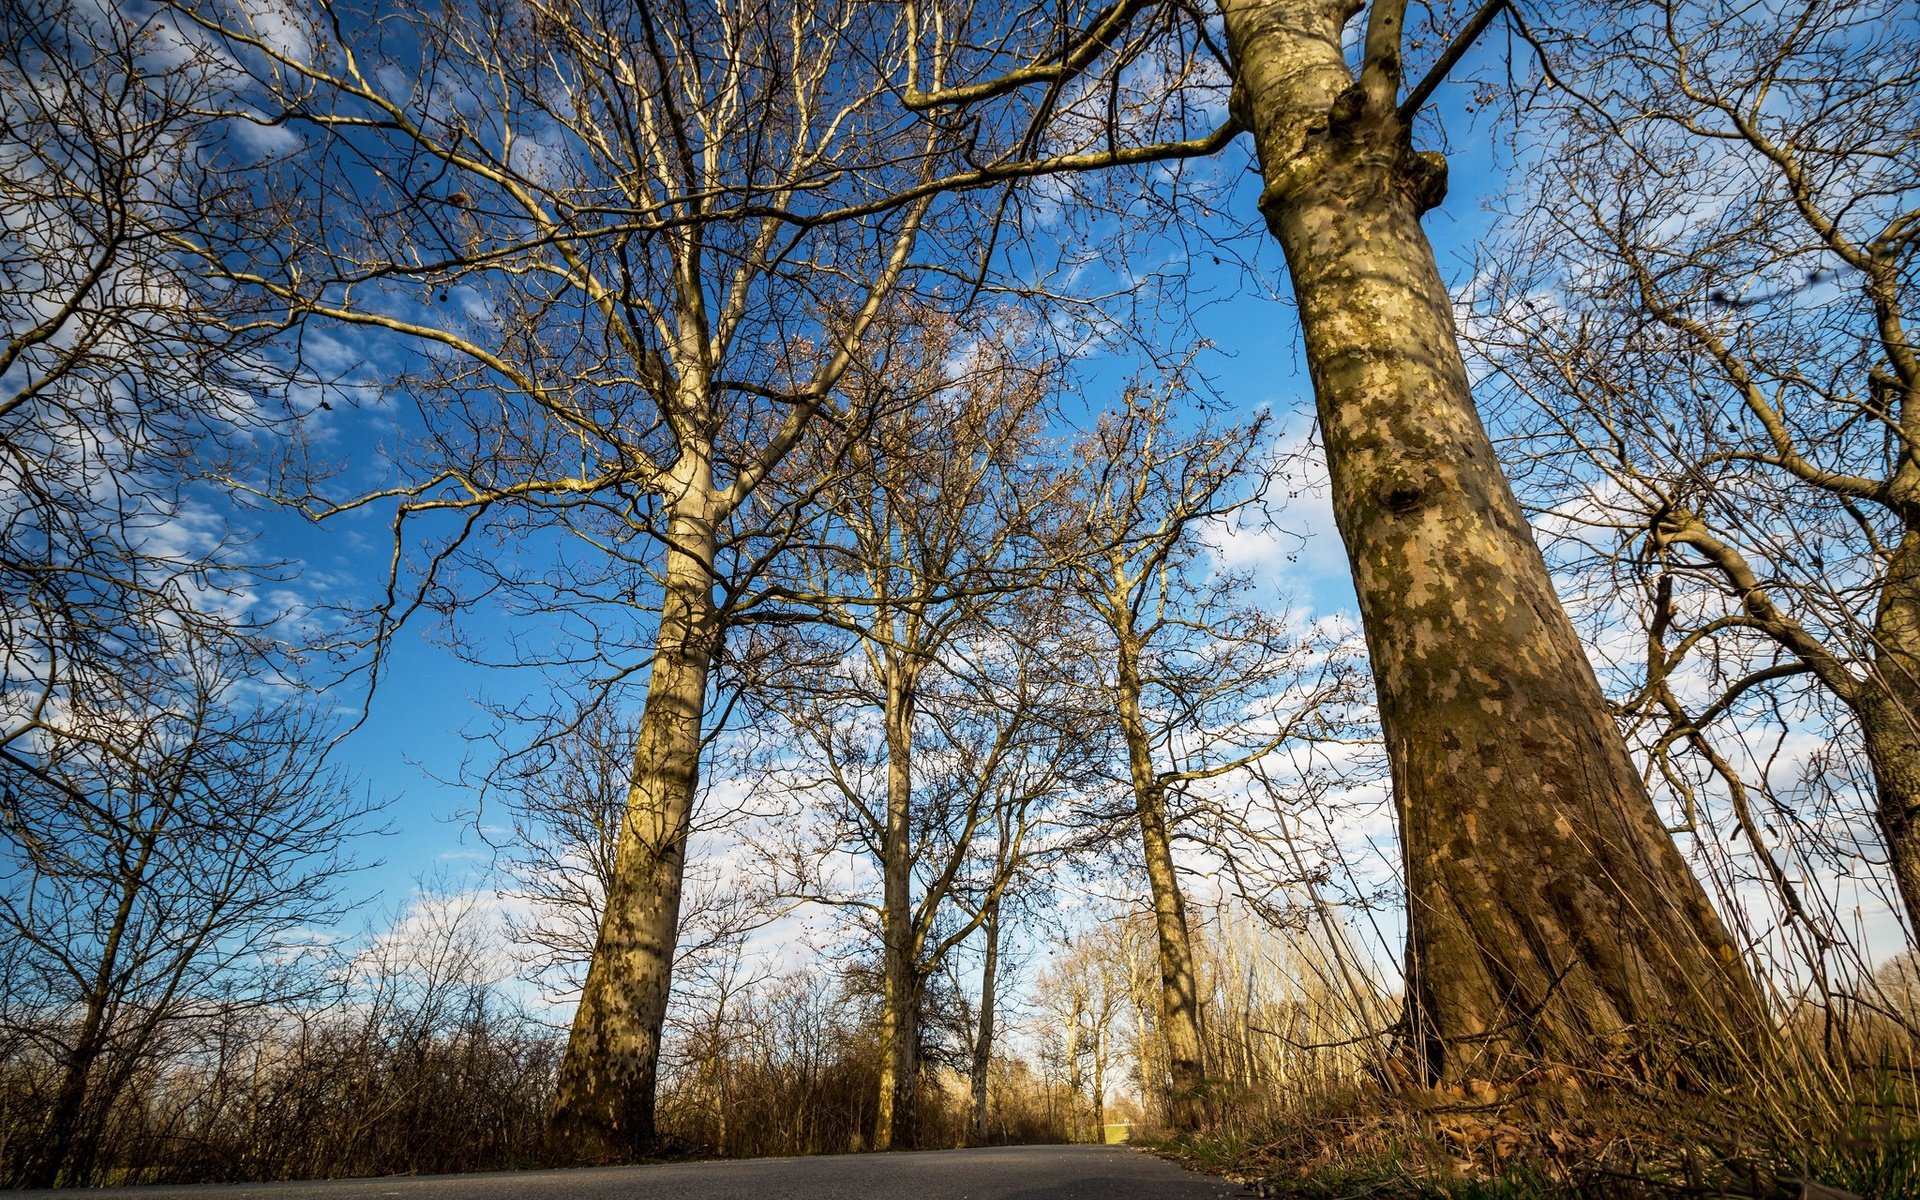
x=1201, y=681
x=1703, y=306
x=1282, y=1023
x=927, y=708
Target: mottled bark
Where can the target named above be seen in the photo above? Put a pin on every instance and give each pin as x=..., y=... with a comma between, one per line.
x=983, y=1035
x=1551, y=916
x=1179, y=989
x=900, y=969
x=1888, y=706
x=604, y=1100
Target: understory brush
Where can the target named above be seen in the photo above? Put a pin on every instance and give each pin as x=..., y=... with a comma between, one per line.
x=1556, y=1133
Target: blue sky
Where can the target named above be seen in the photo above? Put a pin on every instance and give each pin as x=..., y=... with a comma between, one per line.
x=431, y=704
x=414, y=741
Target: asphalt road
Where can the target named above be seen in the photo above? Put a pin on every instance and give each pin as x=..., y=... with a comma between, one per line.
x=1000, y=1173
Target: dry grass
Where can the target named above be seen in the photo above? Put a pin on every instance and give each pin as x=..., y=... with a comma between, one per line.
x=1561, y=1134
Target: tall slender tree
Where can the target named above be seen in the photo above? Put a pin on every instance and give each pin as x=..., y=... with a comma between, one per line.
x=1203, y=684
x=915, y=587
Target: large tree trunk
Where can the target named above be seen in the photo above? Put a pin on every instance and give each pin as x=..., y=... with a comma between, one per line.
x=1179, y=989
x=604, y=1100
x=983, y=1036
x=1888, y=706
x=1551, y=915
x=900, y=970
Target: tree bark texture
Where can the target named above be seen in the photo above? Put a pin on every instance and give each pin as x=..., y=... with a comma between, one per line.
x=1888, y=706
x=900, y=983
x=1551, y=917
x=983, y=1036
x=604, y=1100
x=1179, y=986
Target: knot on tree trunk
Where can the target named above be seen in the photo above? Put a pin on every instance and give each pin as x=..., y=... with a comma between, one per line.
x=1424, y=174
x=1345, y=113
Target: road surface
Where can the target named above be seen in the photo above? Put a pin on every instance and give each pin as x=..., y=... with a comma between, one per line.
x=999, y=1173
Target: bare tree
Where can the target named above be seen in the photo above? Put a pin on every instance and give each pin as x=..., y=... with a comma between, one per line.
x=670, y=228
x=169, y=866
x=564, y=798
x=564, y=808
x=1029, y=868
x=1203, y=683
x=124, y=379
x=984, y=1018
x=1551, y=915
x=1704, y=301
x=911, y=599
x=1083, y=993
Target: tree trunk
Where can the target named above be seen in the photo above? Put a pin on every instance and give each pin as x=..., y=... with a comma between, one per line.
x=1888, y=706
x=1073, y=1075
x=1179, y=991
x=604, y=1099
x=1551, y=917
x=55, y=1160
x=52, y=1161
x=1145, y=998
x=900, y=983
x=983, y=1037
x=1100, y=1082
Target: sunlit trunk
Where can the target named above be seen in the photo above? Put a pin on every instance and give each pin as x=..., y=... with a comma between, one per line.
x=1888, y=706
x=604, y=1101
x=1551, y=915
x=983, y=1036
x=1179, y=991
x=900, y=982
